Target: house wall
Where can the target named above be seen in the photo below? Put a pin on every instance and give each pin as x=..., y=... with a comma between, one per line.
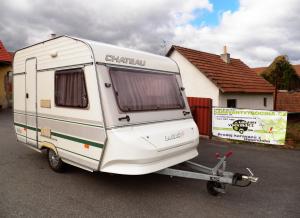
x=3, y=97
x=251, y=101
x=196, y=84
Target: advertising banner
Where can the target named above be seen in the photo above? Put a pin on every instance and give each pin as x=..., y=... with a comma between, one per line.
x=260, y=126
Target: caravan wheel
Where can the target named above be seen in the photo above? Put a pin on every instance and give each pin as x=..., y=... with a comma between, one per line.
x=55, y=161
x=212, y=187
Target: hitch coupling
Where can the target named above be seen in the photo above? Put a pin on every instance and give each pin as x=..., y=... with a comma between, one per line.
x=238, y=177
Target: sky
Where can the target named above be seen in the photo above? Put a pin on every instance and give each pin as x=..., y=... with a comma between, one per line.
x=255, y=31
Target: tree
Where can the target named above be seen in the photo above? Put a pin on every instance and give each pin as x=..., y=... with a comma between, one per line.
x=282, y=74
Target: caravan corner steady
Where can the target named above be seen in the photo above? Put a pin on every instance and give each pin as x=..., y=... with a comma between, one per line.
x=105, y=108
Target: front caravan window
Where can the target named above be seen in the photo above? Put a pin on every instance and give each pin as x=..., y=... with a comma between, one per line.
x=70, y=88
x=138, y=90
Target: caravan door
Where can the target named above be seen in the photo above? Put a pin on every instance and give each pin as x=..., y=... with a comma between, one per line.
x=30, y=101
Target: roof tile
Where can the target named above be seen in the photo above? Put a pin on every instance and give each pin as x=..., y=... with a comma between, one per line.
x=235, y=76
x=5, y=56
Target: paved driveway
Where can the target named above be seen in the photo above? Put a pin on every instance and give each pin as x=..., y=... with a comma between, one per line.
x=29, y=188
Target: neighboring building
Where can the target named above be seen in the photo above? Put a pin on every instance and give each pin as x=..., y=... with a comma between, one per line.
x=5, y=77
x=227, y=81
x=259, y=70
x=286, y=101
x=297, y=68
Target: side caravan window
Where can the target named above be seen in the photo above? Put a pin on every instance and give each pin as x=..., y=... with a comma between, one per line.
x=70, y=88
x=138, y=90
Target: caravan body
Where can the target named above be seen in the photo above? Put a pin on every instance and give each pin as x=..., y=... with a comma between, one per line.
x=102, y=108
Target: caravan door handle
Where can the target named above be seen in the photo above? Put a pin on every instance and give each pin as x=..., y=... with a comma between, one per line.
x=125, y=118
x=186, y=112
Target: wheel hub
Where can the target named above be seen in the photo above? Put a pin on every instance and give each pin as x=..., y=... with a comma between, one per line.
x=54, y=158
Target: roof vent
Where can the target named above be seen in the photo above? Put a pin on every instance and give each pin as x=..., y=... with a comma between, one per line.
x=225, y=56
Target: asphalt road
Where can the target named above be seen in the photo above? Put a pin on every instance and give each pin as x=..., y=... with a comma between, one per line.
x=28, y=188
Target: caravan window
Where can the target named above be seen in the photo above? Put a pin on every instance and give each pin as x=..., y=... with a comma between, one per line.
x=138, y=90
x=70, y=88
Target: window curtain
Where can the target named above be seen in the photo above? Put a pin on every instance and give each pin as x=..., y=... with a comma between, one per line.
x=138, y=91
x=70, y=90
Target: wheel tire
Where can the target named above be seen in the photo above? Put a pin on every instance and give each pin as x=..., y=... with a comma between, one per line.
x=211, y=185
x=55, y=161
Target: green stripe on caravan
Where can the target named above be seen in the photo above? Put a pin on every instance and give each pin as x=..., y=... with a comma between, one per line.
x=71, y=138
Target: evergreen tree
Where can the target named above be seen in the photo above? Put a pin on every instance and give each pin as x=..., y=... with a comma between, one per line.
x=282, y=74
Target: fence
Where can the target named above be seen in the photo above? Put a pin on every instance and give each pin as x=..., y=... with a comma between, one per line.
x=201, y=109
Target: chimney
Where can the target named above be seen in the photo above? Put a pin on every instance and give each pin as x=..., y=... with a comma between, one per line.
x=52, y=35
x=225, y=56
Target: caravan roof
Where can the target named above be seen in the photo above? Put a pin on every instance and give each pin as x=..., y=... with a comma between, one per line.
x=114, y=55
x=152, y=61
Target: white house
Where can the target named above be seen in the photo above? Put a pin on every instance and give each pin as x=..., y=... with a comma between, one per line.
x=227, y=81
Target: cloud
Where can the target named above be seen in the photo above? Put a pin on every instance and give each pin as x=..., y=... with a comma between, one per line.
x=256, y=33
x=135, y=24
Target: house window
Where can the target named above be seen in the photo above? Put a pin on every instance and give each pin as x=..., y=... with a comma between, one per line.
x=70, y=88
x=231, y=103
x=265, y=102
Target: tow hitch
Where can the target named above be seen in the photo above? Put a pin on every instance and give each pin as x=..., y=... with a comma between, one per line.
x=217, y=177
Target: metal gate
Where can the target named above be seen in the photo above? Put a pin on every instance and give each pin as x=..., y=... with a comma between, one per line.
x=201, y=109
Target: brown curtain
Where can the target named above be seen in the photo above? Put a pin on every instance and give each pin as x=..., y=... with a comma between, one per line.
x=70, y=89
x=138, y=90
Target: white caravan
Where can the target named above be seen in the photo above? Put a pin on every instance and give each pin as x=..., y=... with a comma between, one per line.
x=101, y=107
x=104, y=108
